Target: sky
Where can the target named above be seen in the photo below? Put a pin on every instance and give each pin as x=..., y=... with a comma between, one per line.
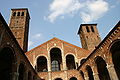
x=62, y=18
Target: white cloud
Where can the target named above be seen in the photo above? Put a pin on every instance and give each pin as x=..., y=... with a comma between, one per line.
x=37, y=36
x=90, y=10
x=30, y=43
x=93, y=10
x=61, y=7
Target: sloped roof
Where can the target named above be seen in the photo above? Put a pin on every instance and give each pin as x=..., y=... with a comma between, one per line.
x=54, y=38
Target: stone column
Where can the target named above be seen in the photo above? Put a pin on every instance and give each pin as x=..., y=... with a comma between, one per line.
x=14, y=76
x=112, y=72
x=86, y=75
x=63, y=58
x=95, y=73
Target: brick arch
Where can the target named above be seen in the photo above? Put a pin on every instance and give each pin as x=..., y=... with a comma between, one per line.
x=58, y=79
x=39, y=56
x=41, y=64
x=73, y=78
x=21, y=71
x=115, y=55
x=70, y=64
x=89, y=72
x=102, y=70
x=7, y=59
x=82, y=74
x=55, y=57
x=82, y=60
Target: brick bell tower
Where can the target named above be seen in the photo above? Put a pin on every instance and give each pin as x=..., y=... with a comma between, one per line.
x=19, y=25
x=89, y=36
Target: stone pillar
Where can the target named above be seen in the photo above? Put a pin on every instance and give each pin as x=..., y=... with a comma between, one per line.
x=95, y=73
x=49, y=76
x=86, y=75
x=14, y=76
x=49, y=64
x=112, y=72
x=63, y=58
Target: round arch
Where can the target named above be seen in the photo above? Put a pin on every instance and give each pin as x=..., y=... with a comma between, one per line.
x=90, y=72
x=41, y=64
x=115, y=53
x=73, y=78
x=21, y=72
x=70, y=62
x=58, y=79
x=82, y=74
x=56, y=59
x=102, y=70
x=7, y=61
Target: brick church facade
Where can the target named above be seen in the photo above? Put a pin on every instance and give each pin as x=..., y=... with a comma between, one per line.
x=57, y=59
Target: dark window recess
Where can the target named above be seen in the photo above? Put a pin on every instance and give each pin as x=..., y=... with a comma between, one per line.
x=14, y=14
x=22, y=14
x=87, y=28
x=18, y=14
x=92, y=29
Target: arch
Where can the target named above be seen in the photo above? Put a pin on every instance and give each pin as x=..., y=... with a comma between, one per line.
x=82, y=74
x=58, y=79
x=82, y=61
x=41, y=64
x=14, y=13
x=115, y=51
x=92, y=29
x=87, y=28
x=56, y=59
x=90, y=72
x=73, y=78
x=29, y=75
x=70, y=62
x=6, y=63
x=22, y=14
x=102, y=70
x=21, y=72
x=18, y=14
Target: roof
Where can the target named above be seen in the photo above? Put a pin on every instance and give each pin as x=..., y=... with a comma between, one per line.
x=54, y=38
x=84, y=25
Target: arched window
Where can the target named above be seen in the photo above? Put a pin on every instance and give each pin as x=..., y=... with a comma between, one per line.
x=55, y=66
x=42, y=64
x=87, y=28
x=21, y=72
x=14, y=13
x=92, y=29
x=73, y=78
x=6, y=63
x=102, y=69
x=90, y=73
x=18, y=14
x=56, y=59
x=115, y=50
x=82, y=74
x=22, y=14
x=58, y=79
x=70, y=62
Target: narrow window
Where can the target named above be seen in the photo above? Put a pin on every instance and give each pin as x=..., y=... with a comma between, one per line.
x=92, y=29
x=18, y=14
x=14, y=14
x=87, y=28
x=55, y=65
x=22, y=14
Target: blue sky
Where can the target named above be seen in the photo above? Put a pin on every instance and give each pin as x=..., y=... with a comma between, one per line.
x=61, y=18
